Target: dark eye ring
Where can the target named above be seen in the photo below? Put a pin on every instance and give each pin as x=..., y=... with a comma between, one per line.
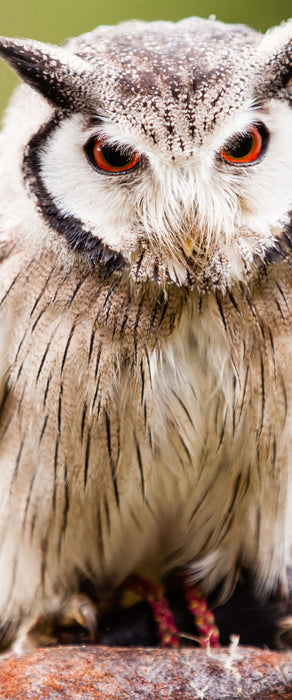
x=110, y=159
x=246, y=148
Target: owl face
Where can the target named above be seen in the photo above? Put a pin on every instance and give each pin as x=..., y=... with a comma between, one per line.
x=160, y=150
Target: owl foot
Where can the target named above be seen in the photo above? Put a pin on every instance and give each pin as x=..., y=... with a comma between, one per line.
x=40, y=630
x=34, y=632
x=81, y=610
x=283, y=636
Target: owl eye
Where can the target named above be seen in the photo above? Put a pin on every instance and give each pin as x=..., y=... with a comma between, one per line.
x=111, y=159
x=247, y=148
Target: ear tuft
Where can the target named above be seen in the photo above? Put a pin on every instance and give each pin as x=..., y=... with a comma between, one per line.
x=61, y=77
x=275, y=55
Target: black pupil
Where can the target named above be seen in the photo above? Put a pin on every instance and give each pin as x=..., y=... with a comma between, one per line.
x=116, y=158
x=241, y=147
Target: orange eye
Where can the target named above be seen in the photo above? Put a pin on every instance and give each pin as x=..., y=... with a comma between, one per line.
x=247, y=148
x=109, y=158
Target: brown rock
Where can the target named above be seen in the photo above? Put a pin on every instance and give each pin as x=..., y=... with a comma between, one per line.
x=99, y=673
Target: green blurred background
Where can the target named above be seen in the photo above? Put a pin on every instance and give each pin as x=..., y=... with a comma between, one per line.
x=54, y=20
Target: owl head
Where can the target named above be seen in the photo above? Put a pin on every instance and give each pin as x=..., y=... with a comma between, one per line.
x=159, y=151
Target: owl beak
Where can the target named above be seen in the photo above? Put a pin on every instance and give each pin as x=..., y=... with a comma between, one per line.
x=188, y=246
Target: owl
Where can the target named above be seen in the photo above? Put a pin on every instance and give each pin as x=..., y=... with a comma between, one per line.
x=145, y=295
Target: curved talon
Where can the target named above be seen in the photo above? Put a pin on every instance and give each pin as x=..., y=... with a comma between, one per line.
x=89, y=616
